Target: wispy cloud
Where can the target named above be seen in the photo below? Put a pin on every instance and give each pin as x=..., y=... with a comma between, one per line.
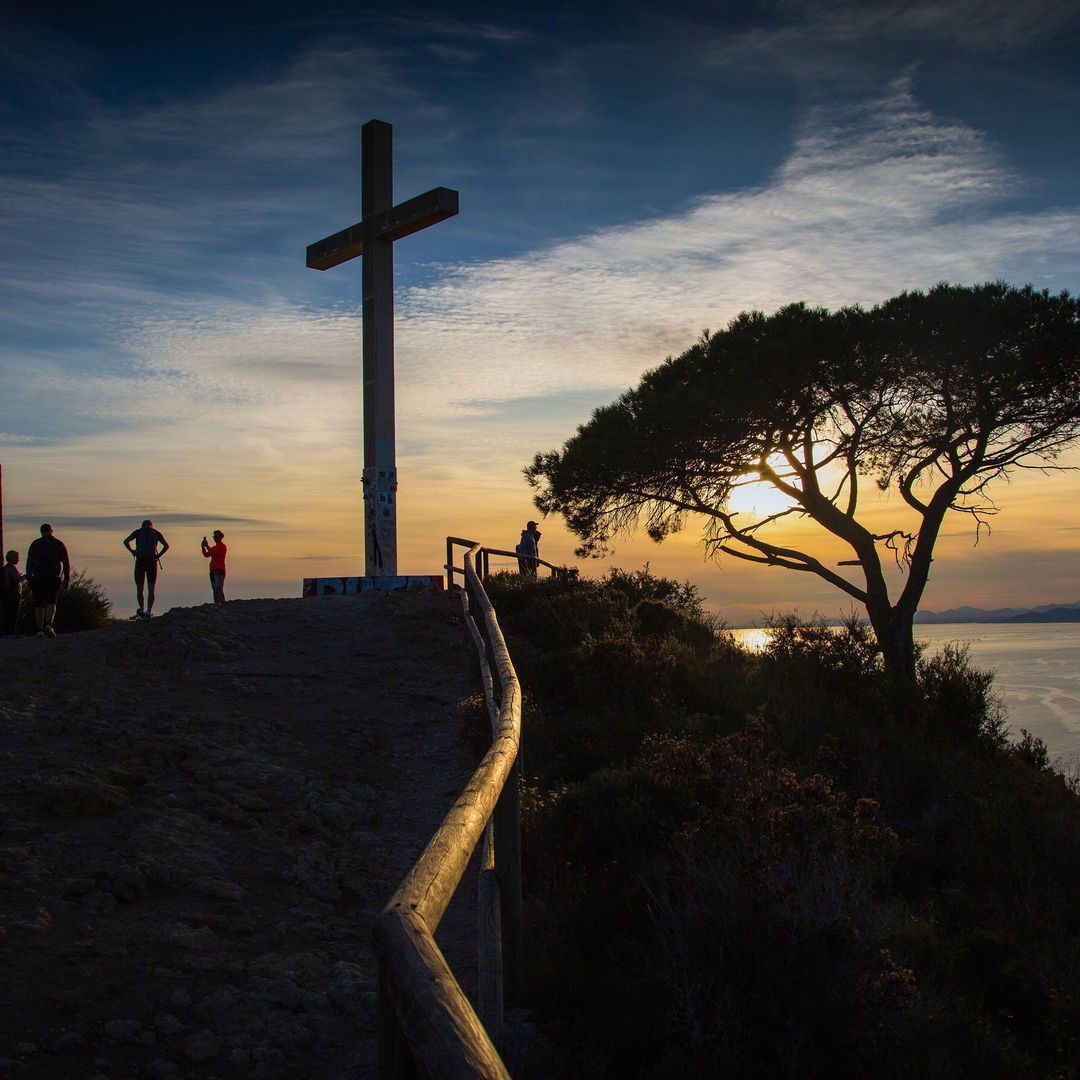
x=873, y=200
x=121, y=522
x=848, y=39
x=994, y=25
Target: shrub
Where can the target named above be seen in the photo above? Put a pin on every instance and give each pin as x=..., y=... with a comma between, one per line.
x=730, y=907
x=643, y=585
x=1033, y=750
x=83, y=605
x=960, y=698
x=833, y=654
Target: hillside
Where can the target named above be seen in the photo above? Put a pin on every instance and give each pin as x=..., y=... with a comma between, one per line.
x=781, y=864
x=199, y=818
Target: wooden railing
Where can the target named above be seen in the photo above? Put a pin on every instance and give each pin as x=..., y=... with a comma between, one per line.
x=483, y=559
x=427, y=1027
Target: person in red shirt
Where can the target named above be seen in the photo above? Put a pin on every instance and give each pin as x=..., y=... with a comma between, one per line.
x=216, y=555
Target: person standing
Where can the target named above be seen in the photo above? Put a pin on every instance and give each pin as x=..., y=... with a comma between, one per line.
x=528, y=549
x=146, y=556
x=11, y=590
x=48, y=569
x=216, y=555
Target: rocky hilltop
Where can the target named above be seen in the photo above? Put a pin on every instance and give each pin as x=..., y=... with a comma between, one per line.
x=199, y=818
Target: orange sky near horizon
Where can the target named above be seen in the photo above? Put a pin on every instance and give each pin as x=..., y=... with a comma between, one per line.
x=298, y=522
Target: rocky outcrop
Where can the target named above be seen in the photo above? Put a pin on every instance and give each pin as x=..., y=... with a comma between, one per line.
x=200, y=817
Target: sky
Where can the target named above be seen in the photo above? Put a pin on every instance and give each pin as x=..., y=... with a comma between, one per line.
x=629, y=175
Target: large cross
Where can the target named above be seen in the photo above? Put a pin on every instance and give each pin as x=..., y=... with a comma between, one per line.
x=373, y=237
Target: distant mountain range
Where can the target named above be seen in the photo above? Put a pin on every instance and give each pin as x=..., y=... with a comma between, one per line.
x=1044, y=613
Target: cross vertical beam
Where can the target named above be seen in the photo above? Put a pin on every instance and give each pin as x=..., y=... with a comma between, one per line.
x=373, y=239
x=380, y=453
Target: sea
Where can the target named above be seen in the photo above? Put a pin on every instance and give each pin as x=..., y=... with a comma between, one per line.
x=1036, y=672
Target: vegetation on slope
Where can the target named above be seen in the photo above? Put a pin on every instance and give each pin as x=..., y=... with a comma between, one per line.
x=778, y=865
x=83, y=605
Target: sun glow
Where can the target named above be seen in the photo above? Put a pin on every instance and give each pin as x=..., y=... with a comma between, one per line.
x=759, y=497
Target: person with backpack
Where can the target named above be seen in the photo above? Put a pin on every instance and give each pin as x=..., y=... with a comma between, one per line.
x=48, y=569
x=146, y=555
x=528, y=550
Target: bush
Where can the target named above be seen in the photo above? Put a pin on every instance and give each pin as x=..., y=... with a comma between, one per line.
x=643, y=585
x=1033, y=750
x=833, y=654
x=748, y=896
x=83, y=605
x=961, y=699
x=762, y=865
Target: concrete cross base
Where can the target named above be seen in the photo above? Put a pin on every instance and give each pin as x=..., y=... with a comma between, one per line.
x=343, y=586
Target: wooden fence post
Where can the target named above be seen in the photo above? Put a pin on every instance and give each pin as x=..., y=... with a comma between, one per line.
x=507, y=822
x=490, y=1002
x=395, y=1058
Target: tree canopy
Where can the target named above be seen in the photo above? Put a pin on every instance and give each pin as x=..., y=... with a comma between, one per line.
x=932, y=395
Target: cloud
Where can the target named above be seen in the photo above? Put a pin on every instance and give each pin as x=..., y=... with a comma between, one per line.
x=9, y=439
x=125, y=522
x=873, y=200
x=512, y=353
x=812, y=40
x=983, y=25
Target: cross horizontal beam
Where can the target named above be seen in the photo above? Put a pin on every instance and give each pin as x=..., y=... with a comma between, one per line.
x=408, y=217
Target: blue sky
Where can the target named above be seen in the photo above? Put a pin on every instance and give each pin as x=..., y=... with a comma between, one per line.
x=629, y=175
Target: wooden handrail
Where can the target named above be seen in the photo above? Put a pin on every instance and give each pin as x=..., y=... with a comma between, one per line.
x=456, y=541
x=427, y=1027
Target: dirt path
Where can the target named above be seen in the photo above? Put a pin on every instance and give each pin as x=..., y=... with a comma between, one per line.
x=199, y=818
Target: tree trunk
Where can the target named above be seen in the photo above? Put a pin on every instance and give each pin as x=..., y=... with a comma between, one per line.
x=894, y=628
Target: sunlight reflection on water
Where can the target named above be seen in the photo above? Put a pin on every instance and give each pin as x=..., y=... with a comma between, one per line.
x=1037, y=669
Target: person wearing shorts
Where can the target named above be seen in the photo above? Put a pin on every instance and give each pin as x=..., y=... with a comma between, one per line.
x=216, y=555
x=48, y=569
x=146, y=554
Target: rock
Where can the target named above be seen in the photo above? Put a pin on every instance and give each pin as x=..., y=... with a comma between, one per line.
x=117, y=1031
x=254, y=801
x=81, y=795
x=216, y=889
x=128, y=884
x=100, y=902
x=181, y=997
x=303, y=823
x=69, y=1041
x=316, y=1002
x=292, y=1032
x=168, y=1024
x=202, y=1045
x=219, y=1002
x=202, y=939
x=243, y=925
x=280, y=992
